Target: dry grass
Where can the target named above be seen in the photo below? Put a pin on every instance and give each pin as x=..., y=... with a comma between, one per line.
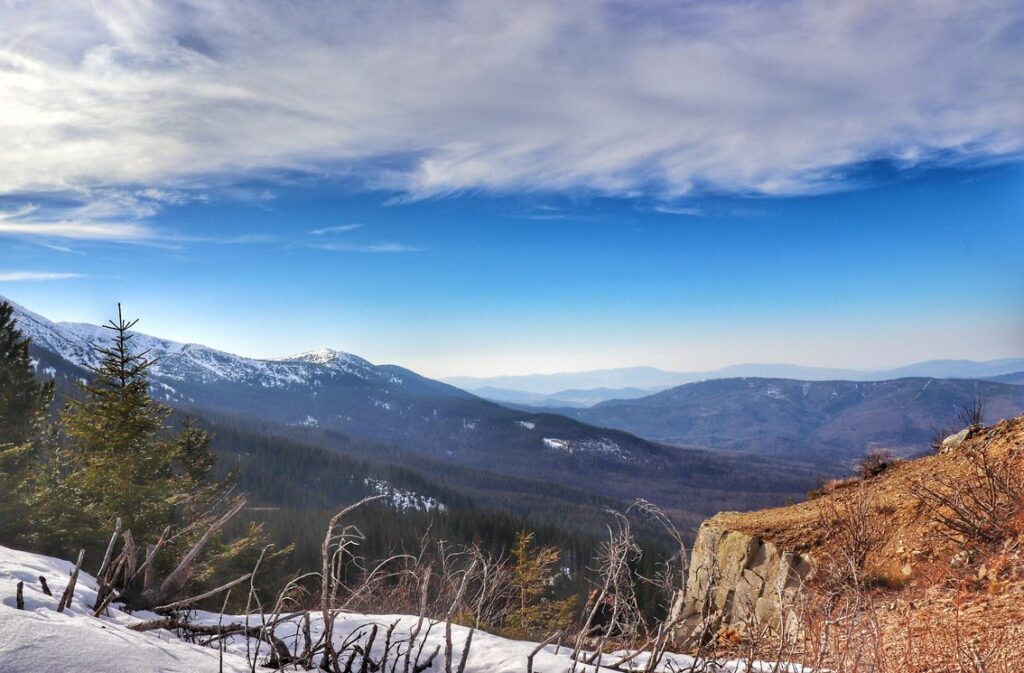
x=906, y=583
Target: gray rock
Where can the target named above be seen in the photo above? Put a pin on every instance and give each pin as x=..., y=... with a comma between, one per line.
x=737, y=580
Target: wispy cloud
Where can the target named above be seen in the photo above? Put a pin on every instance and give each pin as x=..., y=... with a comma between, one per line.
x=366, y=247
x=341, y=228
x=749, y=97
x=108, y=216
x=35, y=276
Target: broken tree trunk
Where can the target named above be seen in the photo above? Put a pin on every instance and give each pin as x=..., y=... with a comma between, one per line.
x=195, y=599
x=175, y=582
x=110, y=550
x=69, y=591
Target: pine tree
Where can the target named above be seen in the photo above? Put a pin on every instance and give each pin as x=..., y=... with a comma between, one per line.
x=120, y=458
x=534, y=575
x=24, y=403
x=125, y=464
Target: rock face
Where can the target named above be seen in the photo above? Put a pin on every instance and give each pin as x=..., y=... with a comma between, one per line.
x=737, y=580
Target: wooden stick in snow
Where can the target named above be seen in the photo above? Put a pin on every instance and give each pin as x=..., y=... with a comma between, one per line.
x=110, y=551
x=21, y=596
x=46, y=589
x=69, y=591
x=540, y=646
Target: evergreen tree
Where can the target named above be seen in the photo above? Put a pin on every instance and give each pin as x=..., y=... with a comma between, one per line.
x=120, y=458
x=534, y=576
x=125, y=464
x=24, y=404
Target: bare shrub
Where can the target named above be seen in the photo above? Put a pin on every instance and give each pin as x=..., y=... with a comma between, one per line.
x=938, y=437
x=976, y=505
x=874, y=463
x=973, y=415
x=854, y=530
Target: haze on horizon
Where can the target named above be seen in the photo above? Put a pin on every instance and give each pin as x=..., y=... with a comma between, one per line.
x=484, y=188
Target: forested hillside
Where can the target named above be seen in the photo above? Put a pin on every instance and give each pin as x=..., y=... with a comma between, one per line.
x=501, y=456
x=823, y=423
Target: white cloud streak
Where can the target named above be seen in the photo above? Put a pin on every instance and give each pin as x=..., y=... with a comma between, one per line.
x=96, y=220
x=35, y=276
x=654, y=97
x=366, y=247
x=340, y=229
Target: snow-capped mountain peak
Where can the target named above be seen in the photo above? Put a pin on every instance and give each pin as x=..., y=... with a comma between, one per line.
x=325, y=356
x=77, y=343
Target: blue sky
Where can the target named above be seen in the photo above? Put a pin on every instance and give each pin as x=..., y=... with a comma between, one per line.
x=471, y=188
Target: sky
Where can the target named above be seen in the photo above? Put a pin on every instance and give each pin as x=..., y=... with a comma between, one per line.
x=483, y=188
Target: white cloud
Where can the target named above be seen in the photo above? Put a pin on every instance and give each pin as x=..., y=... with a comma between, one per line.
x=656, y=97
x=366, y=247
x=25, y=276
x=89, y=221
x=335, y=230
x=109, y=231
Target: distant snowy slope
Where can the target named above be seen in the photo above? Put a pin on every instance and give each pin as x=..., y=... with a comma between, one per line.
x=75, y=342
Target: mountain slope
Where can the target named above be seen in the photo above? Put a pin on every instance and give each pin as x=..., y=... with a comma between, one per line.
x=564, y=389
x=334, y=392
x=819, y=422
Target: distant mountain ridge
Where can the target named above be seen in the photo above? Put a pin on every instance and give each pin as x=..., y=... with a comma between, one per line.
x=551, y=390
x=817, y=422
x=335, y=392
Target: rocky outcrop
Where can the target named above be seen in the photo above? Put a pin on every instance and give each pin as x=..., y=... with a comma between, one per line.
x=737, y=580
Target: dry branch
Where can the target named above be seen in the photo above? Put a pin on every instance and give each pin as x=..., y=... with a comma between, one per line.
x=203, y=596
x=69, y=591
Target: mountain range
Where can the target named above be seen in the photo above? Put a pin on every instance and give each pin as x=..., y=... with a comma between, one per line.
x=823, y=423
x=728, y=443
x=581, y=389
x=323, y=393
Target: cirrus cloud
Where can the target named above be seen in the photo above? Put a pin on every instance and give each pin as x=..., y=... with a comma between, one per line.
x=35, y=276
x=654, y=97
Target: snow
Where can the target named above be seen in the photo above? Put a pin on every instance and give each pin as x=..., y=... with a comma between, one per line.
x=599, y=445
x=38, y=639
x=194, y=363
x=403, y=499
x=529, y=425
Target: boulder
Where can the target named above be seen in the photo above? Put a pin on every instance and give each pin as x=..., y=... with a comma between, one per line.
x=736, y=580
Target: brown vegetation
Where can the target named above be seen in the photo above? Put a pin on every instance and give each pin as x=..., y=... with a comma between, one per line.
x=919, y=568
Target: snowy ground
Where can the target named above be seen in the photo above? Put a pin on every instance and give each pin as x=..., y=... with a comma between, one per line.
x=38, y=639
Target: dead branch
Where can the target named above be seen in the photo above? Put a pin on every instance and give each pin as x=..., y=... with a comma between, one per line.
x=195, y=599
x=540, y=646
x=175, y=581
x=69, y=591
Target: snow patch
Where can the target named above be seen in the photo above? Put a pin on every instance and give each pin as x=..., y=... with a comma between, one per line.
x=529, y=425
x=599, y=446
x=405, y=500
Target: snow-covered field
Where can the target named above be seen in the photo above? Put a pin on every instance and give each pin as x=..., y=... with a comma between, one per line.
x=38, y=639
